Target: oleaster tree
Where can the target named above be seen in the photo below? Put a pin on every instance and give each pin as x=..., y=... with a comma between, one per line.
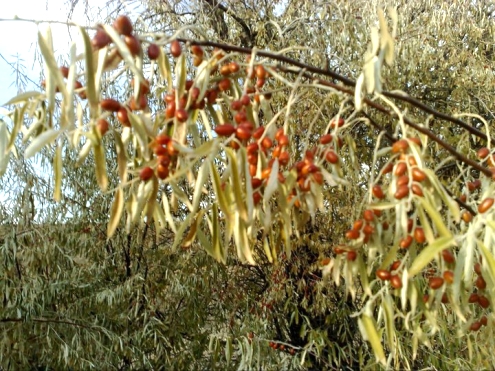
x=263, y=184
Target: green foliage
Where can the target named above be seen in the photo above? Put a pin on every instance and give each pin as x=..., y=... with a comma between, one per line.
x=355, y=228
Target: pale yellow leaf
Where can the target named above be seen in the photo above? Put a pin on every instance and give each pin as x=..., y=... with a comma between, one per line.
x=115, y=212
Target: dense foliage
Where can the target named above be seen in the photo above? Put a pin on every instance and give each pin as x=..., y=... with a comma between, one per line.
x=246, y=184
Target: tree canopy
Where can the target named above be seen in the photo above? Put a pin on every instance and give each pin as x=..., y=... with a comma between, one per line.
x=254, y=184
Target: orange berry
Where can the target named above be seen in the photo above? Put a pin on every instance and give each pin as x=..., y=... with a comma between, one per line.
x=417, y=190
x=102, y=126
x=467, y=216
x=181, y=115
x=224, y=85
x=110, y=104
x=326, y=139
x=175, y=48
x=331, y=157
x=418, y=175
x=403, y=180
x=225, y=130
x=260, y=71
x=383, y=274
x=123, y=117
x=395, y=265
x=483, y=152
x=396, y=281
x=162, y=171
x=378, y=192
x=401, y=192
x=419, y=235
x=337, y=123
x=485, y=205
x=436, y=282
x=352, y=234
x=197, y=51
x=400, y=146
x=406, y=242
x=400, y=168
x=448, y=276
x=472, y=186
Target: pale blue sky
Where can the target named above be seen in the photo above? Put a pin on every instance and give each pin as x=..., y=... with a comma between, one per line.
x=20, y=38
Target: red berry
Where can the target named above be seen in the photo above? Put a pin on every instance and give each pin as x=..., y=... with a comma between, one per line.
x=419, y=235
x=406, y=242
x=418, y=175
x=133, y=44
x=331, y=157
x=435, y=282
x=383, y=274
x=224, y=85
x=123, y=25
x=110, y=104
x=123, y=117
x=153, y=51
x=483, y=152
x=473, y=298
x=351, y=255
x=378, y=192
x=475, y=326
x=480, y=283
x=401, y=192
x=181, y=115
x=102, y=126
x=175, y=49
x=400, y=146
x=225, y=130
x=65, y=71
x=396, y=281
x=146, y=174
x=101, y=39
x=448, y=276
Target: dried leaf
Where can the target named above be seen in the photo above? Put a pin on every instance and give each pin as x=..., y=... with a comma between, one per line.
x=57, y=172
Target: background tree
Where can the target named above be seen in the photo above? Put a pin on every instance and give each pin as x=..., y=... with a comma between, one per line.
x=334, y=259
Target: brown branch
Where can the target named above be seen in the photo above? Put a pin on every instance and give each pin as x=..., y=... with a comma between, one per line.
x=223, y=8
x=44, y=320
x=346, y=81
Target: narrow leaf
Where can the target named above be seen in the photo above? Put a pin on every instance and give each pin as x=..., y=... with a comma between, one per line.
x=115, y=212
x=373, y=337
x=4, y=152
x=57, y=170
x=429, y=253
x=40, y=141
x=101, y=167
x=91, y=77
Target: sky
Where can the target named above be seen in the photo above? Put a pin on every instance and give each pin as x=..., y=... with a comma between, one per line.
x=19, y=39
